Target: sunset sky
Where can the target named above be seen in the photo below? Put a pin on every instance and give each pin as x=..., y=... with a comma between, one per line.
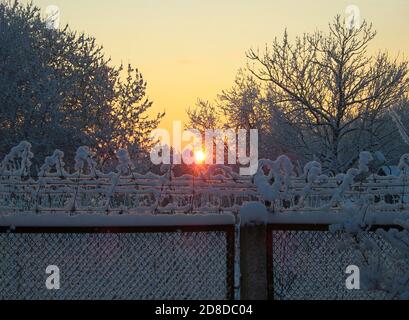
x=188, y=49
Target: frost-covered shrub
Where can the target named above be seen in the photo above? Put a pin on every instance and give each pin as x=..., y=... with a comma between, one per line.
x=18, y=161
x=399, y=284
x=57, y=161
x=84, y=160
x=383, y=255
x=275, y=184
x=125, y=164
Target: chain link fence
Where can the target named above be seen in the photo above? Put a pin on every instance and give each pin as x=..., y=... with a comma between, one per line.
x=308, y=264
x=143, y=264
x=169, y=263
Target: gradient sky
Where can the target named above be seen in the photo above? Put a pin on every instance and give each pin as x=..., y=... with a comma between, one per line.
x=188, y=49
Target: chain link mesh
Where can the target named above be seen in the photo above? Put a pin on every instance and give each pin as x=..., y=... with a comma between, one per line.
x=162, y=265
x=311, y=265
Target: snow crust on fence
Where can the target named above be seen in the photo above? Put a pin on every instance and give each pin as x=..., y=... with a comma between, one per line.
x=86, y=189
x=275, y=193
x=93, y=220
x=339, y=217
x=253, y=213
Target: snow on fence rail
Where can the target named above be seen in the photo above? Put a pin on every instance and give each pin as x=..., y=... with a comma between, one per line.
x=215, y=189
x=88, y=190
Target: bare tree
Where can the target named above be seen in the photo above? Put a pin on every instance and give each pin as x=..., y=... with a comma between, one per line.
x=247, y=105
x=204, y=115
x=331, y=92
x=244, y=104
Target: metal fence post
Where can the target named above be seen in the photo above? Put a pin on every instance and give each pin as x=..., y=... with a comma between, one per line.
x=253, y=262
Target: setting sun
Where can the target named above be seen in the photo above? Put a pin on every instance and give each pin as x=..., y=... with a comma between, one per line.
x=200, y=156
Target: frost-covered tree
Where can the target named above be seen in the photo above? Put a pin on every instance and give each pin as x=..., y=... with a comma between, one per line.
x=249, y=105
x=128, y=125
x=58, y=91
x=245, y=105
x=331, y=92
x=395, y=129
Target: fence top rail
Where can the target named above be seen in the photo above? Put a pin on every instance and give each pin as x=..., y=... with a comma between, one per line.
x=323, y=227
x=33, y=220
x=228, y=228
x=324, y=217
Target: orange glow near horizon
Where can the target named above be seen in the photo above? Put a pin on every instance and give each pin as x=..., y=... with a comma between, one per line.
x=190, y=49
